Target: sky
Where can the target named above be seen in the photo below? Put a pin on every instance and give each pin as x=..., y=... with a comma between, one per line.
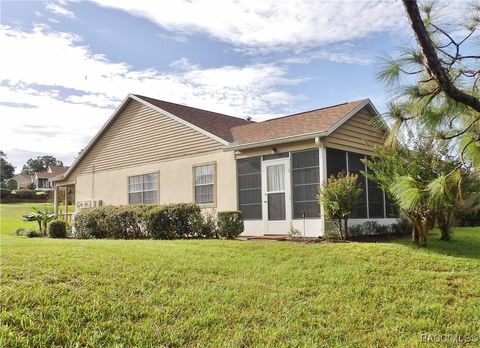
x=66, y=65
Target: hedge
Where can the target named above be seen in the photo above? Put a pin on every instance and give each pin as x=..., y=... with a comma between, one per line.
x=171, y=221
x=25, y=194
x=174, y=221
x=117, y=222
x=5, y=193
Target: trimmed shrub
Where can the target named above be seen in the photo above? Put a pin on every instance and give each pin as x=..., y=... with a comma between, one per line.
x=86, y=224
x=32, y=234
x=230, y=224
x=173, y=221
x=5, y=193
x=31, y=186
x=57, y=229
x=25, y=194
x=170, y=221
x=122, y=222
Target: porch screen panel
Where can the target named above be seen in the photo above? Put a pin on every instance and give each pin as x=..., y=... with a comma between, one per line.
x=356, y=166
x=375, y=201
x=305, y=184
x=391, y=207
x=249, y=178
x=336, y=162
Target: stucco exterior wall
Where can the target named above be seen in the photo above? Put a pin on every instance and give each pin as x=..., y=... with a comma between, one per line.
x=175, y=181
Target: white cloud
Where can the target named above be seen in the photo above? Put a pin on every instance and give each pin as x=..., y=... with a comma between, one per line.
x=55, y=8
x=270, y=24
x=351, y=57
x=40, y=69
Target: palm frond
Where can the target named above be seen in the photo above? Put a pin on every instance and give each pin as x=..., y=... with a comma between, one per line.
x=406, y=192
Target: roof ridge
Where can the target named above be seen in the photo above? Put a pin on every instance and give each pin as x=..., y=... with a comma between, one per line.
x=192, y=107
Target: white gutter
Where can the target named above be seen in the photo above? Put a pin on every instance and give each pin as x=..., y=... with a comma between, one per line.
x=276, y=141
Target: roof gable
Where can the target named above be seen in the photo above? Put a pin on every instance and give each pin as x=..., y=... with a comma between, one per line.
x=137, y=134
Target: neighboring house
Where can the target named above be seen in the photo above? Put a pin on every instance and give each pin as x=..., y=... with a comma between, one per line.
x=152, y=151
x=42, y=180
x=23, y=180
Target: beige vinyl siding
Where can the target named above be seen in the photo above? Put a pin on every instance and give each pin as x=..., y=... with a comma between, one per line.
x=357, y=134
x=140, y=135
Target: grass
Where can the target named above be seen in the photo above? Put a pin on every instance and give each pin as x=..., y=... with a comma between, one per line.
x=231, y=293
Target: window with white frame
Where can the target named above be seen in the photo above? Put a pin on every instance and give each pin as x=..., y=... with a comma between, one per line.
x=204, y=183
x=142, y=189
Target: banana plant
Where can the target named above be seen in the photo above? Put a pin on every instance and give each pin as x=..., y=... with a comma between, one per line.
x=41, y=217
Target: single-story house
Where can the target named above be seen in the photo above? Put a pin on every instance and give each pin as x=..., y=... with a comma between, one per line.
x=23, y=180
x=43, y=180
x=153, y=152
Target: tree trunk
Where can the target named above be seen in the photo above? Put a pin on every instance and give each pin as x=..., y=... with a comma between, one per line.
x=422, y=231
x=340, y=228
x=414, y=233
x=444, y=224
x=346, y=229
x=430, y=223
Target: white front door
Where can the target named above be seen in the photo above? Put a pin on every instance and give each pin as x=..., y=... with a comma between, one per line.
x=277, y=212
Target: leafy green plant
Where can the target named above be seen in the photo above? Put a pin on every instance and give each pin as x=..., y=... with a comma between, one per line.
x=41, y=217
x=57, y=229
x=338, y=196
x=294, y=233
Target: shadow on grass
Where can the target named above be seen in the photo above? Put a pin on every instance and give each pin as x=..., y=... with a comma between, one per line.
x=465, y=242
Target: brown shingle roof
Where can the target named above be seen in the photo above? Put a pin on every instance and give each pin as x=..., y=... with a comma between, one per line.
x=45, y=175
x=57, y=170
x=213, y=122
x=313, y=121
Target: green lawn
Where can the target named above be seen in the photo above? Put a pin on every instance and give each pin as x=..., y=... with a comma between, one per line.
x=232, y=293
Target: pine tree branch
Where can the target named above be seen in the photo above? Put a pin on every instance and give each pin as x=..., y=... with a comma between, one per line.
x=435, y=68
